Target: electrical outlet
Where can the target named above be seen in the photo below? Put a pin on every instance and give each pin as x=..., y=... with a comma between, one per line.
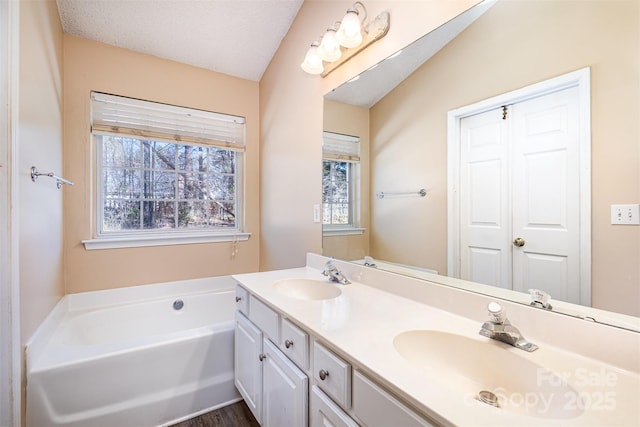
x=625, y=214
x=316, y=213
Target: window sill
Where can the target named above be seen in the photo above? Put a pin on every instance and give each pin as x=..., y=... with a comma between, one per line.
x=161, y=240
x=342, y=231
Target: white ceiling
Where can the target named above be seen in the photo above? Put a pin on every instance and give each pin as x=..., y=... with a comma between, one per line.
x=235, y=37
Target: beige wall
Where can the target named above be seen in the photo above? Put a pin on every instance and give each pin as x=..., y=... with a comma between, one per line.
x=495, y=55
x=351, y=120
x=291, y=117
x=40, y=144
x=94, y=66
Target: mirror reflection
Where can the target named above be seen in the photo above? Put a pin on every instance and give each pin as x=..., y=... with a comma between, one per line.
x=403, y=138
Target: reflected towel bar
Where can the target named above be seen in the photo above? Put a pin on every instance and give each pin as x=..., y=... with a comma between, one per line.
x=59, y=180
x=422, y=192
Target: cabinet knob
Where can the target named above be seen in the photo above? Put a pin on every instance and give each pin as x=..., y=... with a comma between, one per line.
x=288, y=343
x=323, y=374
x=238, y=299
x=262, y=357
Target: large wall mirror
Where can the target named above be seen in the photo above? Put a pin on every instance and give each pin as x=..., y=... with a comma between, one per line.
x=493, y=49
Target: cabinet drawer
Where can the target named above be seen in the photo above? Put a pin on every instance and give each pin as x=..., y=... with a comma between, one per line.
x=265, y=318
x=242, y=300
x=294, y=342
x=375, y=407
x=324, y=412
x=332, y=374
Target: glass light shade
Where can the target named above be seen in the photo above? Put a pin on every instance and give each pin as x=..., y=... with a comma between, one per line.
x=329, y=49
x=312, y=63
x=350, y=32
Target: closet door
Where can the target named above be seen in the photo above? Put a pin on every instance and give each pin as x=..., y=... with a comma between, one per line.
x=546, y=194
x=520, y=196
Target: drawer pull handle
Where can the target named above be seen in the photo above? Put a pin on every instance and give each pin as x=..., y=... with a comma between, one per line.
x=238, y=299
x=323, y=374
x=288, y=343
x=262, y=357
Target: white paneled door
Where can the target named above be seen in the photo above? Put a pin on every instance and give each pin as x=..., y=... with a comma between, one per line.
x=520, y=195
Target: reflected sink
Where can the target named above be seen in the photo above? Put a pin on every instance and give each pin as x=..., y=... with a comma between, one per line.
x=473, y=365
x=307, y=289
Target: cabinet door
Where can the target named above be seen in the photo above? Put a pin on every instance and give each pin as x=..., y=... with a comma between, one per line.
x=375, y=407
x=325, y=413
x=248, y=367
x=284, y=390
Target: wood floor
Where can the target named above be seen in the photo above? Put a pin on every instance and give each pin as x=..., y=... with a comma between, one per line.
x=236, y=415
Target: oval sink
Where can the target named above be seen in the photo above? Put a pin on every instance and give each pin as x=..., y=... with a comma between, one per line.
x=475, y=365
x=307, y=289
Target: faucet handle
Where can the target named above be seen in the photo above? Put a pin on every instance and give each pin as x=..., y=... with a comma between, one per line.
x=540, y=298
x=497, y=313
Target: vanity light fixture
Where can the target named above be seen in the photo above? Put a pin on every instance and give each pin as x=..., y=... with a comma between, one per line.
x=344, y=40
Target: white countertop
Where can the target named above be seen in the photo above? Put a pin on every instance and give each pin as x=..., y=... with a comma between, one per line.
x=363, y=321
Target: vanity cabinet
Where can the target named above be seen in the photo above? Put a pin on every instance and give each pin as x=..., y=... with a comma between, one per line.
x=275, y=360
x=274, y=388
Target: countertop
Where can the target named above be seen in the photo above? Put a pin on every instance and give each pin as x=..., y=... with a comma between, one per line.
x=363, y=322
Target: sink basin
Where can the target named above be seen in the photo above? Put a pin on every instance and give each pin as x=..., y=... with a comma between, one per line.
x=474, y=365
x=307, y=289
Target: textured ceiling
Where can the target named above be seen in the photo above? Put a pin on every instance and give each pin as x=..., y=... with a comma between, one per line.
x=235, y=37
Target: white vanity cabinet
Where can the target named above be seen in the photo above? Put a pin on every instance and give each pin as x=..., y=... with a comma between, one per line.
x=289, y=378
x=274, y=388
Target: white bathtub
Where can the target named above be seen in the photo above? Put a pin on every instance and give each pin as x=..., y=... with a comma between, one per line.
x=126, y=357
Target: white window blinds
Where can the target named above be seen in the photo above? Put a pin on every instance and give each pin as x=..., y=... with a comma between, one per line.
x=345, y=148
x=118, y=115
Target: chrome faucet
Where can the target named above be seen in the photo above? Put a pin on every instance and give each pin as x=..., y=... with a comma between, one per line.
x=499, y=328
x=335, y=275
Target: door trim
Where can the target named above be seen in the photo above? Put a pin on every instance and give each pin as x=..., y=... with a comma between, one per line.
x=580, y=78
x=10, y=340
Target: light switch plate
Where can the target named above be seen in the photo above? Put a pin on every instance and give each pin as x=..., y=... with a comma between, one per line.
x=625, y=214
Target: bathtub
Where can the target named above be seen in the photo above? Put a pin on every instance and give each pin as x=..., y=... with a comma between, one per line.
x=149, y=355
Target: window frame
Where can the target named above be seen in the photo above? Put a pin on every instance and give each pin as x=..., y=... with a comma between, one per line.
x=353, y=159
x=102, y=239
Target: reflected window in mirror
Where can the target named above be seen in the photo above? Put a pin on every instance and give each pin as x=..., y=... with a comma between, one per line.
x=340, y=173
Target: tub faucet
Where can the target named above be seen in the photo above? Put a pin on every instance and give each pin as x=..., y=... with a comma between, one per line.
x=335, y=275
x=499, y=328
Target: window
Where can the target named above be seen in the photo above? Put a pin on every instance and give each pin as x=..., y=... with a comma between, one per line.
x=337, y=193
x=166, y=172
x=340, y=169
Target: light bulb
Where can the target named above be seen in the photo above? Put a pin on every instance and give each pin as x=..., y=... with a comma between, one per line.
x=329, y=49
x=312, y=63
x=350, y=32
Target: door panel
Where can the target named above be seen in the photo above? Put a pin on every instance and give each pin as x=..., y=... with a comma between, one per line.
x=485, y=255
x=547, y=273
x=485, y=266
x=546, y=189
x=285, y=390
x=248, y=368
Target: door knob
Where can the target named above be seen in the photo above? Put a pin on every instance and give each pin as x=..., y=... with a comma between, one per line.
x=519, y=242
